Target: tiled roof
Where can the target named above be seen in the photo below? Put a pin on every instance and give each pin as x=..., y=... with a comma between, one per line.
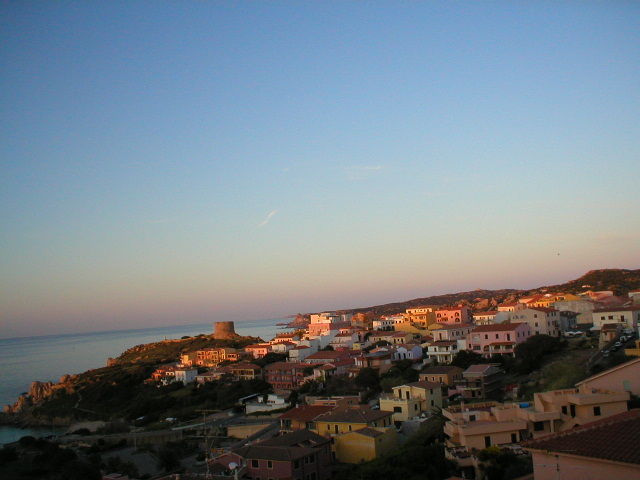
x=286, y=366
x=617, y=309
x=497, y=327
x=454, y=326
x=282, y=454
x=459, y=307
x=439, y=370
x=369, y=432
x=299, y=438
x=544, y=309
x=356, y=415
x=306, y=413
x=443, y=343
x=328, y=355
x=615, y=438
x=479, y=368
x=424, y=384
x=484, y=314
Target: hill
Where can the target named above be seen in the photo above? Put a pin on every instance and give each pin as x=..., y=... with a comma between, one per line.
x=620, y=281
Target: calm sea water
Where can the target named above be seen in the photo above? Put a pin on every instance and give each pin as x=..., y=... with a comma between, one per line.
x=49, y=357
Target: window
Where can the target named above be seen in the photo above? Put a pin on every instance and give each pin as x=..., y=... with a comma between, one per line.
x=596, y=411
x=269, y=464
x=296, y=464
x=336, y=428
x=486, y=337
x=538, y=426
x=572, y=409
x=472, y=418
x=564, y=409
x=255, y=464
x=497, y=336
x=508, y=336
x=514, y=438
x=312, y=459
x=487, y=441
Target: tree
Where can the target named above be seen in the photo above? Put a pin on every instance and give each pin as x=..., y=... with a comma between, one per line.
x=368, y=378
x=529, y=353
x=465, y=358
x=270, y=357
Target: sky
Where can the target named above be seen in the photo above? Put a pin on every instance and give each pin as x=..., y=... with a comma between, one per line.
x=167, y=163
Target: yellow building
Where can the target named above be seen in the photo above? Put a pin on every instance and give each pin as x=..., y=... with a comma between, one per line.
x=365, y=444
x=633, y=352
x=350, y=420
x=421, y=315
x=411, y=400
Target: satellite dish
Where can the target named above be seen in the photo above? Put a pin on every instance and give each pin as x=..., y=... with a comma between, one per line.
x=233, y=465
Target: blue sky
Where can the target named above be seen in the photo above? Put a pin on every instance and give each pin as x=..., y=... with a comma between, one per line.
x=169, y=163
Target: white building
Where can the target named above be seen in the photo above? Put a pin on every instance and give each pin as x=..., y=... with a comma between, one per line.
x=443, y=350
x=186, y=375
x=584, y=309
x=407, y=351
x=629, y=316
x=541, y=320
x=384, y=324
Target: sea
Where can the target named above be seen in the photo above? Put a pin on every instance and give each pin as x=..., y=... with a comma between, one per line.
x=47, y=358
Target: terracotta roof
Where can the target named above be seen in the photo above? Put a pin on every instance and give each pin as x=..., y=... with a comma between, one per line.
x=424, y=384
x=617, y=309
x=497, y=327
x=369, y=432
x=286, y=366
x=439, y=370
x=306, y=413
x=300, y=347
x=615, y=438
x=355, y=415
x=441, y=309
x=443, y=343
x=483, y=314
x=244, y=366
x=509, y=304
x=479, y=368
x=453, y=326
x=328, y=355
x=259, y=345
x=299, y=438
x=544, y=309
x=282, y=454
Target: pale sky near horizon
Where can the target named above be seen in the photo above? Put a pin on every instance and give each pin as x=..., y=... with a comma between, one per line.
x=181, y=162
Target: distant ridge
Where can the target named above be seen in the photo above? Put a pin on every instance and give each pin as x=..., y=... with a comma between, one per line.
x=620, y=281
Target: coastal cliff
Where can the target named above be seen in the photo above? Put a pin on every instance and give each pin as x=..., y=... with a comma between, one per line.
x=102, y=393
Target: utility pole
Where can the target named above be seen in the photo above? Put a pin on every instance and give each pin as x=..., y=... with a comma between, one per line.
x=206, y=437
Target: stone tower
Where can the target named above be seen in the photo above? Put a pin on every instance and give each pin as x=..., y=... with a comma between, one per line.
x=224, y=330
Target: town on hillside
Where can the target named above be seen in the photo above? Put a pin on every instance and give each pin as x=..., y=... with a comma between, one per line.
x=431, y=392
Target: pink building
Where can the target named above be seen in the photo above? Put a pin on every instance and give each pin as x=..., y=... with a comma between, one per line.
x=300, y=454
x=500, y=338
x=458, y=314
x=605, y=449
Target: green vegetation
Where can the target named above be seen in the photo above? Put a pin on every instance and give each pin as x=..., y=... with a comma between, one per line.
x=170, y=350
x=44, y=460
x=529, y=354
x=501, y=464
x=119, y=392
